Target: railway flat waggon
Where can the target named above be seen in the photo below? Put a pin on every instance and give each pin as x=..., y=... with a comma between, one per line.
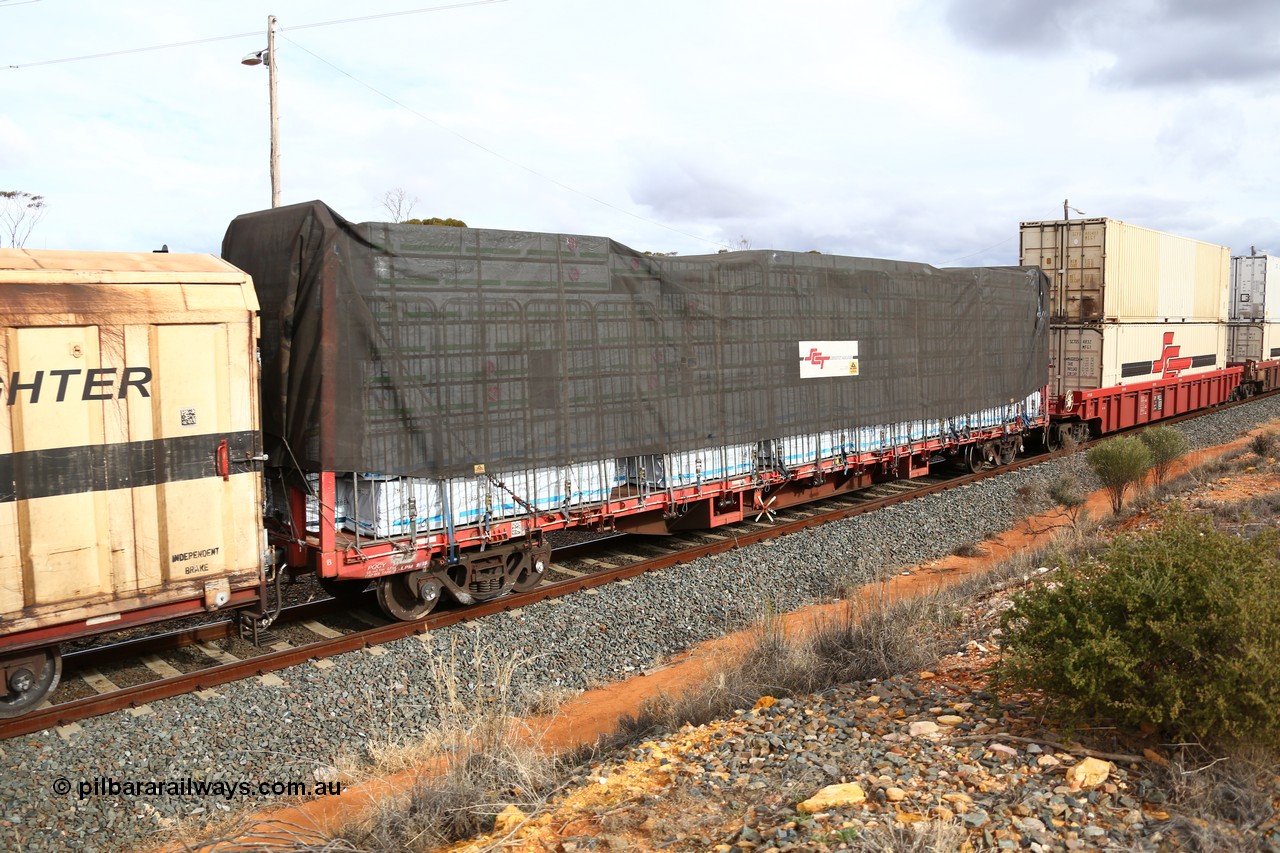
x=129, y=445
x=436, y=399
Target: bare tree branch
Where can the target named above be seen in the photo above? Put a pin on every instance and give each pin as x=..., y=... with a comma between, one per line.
x=19, y=213
x=398, y=203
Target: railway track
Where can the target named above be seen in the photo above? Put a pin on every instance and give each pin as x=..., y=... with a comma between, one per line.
x=89, y=687
x=316, y=630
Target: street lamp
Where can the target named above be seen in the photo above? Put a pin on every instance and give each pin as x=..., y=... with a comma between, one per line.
x=268, y=57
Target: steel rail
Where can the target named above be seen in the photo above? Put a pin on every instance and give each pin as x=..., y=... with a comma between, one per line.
x=95, y=657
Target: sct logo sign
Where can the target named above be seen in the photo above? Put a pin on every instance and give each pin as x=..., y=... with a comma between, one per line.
x=816, y=358
x=95, y=383
x=1171, y=364
x=828, y=358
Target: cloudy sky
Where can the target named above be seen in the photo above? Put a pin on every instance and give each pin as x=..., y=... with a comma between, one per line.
x=909, y=129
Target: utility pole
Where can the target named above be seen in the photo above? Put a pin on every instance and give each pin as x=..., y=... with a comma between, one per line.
x=275, y=112
x=268, y=57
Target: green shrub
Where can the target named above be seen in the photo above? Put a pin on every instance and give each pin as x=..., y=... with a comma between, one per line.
x=1264, y=443
x=1178, y=628
x=1166, y=445
x=1119, y=462
x=436, y=220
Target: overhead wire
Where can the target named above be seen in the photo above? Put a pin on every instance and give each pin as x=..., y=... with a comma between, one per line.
x=979, y=252
x=133, y=50
x=279, y=29
x=498, y=154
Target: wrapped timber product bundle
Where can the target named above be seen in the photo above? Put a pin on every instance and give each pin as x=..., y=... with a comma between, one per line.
x=439, y=352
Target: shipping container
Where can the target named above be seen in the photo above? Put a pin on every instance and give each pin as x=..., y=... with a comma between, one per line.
x=1107, y=270
x=1249, y=277
x=130, y=471
x=1253, y=342
x=1083, y=358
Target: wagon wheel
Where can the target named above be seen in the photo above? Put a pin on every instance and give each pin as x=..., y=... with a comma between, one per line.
x=531, y=572
x=974, y=458
x=398, y=596
x=27, y=688
x=346, y=591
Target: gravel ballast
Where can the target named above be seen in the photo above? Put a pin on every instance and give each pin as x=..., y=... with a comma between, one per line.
x=251, y=734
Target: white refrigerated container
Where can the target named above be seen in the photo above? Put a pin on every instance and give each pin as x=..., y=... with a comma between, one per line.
x=1250, y=275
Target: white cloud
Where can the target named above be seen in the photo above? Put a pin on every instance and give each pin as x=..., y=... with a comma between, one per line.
x=907, y=130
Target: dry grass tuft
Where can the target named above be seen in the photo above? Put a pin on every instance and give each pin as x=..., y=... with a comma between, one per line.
x=480, y=760
x=276, y=835
x=870, y=637
x=1221, y=801
x=1264, y=443
x=1231, y=462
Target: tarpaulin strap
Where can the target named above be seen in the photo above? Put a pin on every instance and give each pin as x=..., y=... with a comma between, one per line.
x=486, y=521
x=448, y=523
